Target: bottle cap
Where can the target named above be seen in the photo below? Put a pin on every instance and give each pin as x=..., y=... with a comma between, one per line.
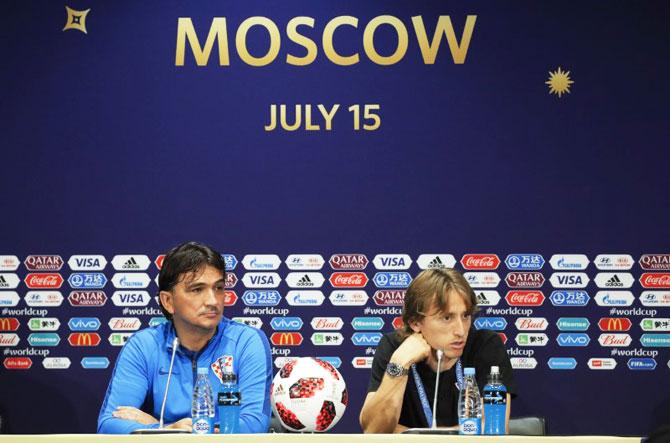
x=469, y=371
x=203, y=371
x=495, y=370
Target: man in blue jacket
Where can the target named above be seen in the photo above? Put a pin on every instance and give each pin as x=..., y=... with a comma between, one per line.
x=192, y=289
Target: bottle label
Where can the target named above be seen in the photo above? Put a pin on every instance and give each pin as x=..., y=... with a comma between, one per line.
x=495, y=397
x=202, y=426
x=469, y=426
x=229, y=399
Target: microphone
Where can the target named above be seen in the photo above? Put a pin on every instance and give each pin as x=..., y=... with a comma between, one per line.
x=161, y=429
x=437, y=384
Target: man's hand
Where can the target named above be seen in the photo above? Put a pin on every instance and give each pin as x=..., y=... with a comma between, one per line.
x=131, y=413
x=414, y=349
x=184, y=423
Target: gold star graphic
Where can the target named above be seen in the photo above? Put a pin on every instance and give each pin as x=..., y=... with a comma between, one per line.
x=559, y=82
x=76, y=19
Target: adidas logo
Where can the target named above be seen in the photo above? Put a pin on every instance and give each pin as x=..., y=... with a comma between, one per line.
x=3, y=282
x=614, y=282
x=435, y=263
x=131, y=264
x=305, y=281
x=481, y=299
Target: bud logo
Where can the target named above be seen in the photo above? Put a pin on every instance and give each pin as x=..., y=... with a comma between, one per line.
x=532, y=339
x=43, y=339
x=436, y=261
x=482, y=279
x=43, y=262
x=655, y=280
x=87, y=262
x=327, y=323
x=614, y=262
x=124, y=323
x=392, y=280
x=230, y=261
x=523, y=362
x=655, y=324
x=348, y=298
x=611, y=340
x=398, y=323
x=43, y=324
x=655, y=340
x=569, y=298
x=569, y=262
x=531, y=323
x=44, y=298
x=351, y=262
x=327, y=339
x=362, y=362
x=614, y=324
x=487, y=297
x=131, y=280
x=562, y=363
x=655, y=298
x=569, y=279
x=161, y=258
x=492, y=323
x=17, y=363
x=614, y=298
x=261, y=298
x=119, y=338
x=367, y=323
x=84, y=324
x=480, y=262
x=524, y=262
x=131, y=262
x=366, y=338
x=655, y=262
x=524, y=298
x=641, y=364
x=348, y=280
x=44, y=281
x=9, y=339
x=261, y=279
x=84, y=339
x=9, y=262
x=573, y=324
x=304, y=262
x=254, y=322
x=87, y=298
x=524, y=280
x=9, y=324
x=573, y=339
x=229, y=298
x=389, y=298
x=286, y=323
x=392, y=261
x=56, y=363
x=261, y=262
x=305, y=298
x=304, y=280
x=94, y=362
x=601, y=363
x=286, y=338
x=131, y=298
x=87, y=280
x=231, y=280
x=9, y=298
x=614, y=280
x=9, y=281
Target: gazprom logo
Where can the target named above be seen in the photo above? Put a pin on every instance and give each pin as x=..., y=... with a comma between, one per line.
x=335, y=361
x=569, y=298
x=84, y=324
x=573, y=339
x=43, y=339
x=230, y=261
x=286, y=323
x=573, y=323
x=525, y=262
x=366, y=338
x=94, y=362
x=641, y=364
x=367, y=323
x=261, y=298
x=562, y=363
x=389, y=280
x=492, y=323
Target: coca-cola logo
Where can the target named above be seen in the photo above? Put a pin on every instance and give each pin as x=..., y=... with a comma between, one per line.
x=44, y=281
x=87, y=298
x=655, y=280
x=524, y=279
x=348, y=279
x=389, y=298
x=159, y=261
x=655, y=262
x=524, y=298
x=43, y=262
x=354, y=262
x=480, y=261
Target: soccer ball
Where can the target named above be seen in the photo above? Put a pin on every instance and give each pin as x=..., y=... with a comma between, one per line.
x=308, y=395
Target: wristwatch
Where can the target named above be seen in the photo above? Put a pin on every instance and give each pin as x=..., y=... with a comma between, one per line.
x=395, y=370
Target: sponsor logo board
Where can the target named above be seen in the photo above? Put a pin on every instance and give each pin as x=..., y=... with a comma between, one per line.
x=131, y=262
x=87, y=262
x=261, y=262
x=260, y=279
x=569, y=279
x=569, y=262
x=524, y=262
x=613, y=262
x=87, y=298
x=43, y=263
x=305, y=298
x=387, y=262
x=304, y=262
x=348, y=262
x=44, y=280
x=348, y=298
x=44, y=298
x=436, y=261
x=482, y=279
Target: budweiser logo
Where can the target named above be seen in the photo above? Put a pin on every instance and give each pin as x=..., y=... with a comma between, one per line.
x=44, y=280
x=348, y=279
x=354, y=262
x=655, y=280
x=327, y=323
x=655, y=262
x=531, y=324
x=44, y=262
x=524, y=298
x=480, y=261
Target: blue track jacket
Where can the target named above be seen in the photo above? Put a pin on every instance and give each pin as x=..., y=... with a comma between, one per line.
x=142, y=366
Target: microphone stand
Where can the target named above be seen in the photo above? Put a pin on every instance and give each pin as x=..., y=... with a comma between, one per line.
x=437, y=384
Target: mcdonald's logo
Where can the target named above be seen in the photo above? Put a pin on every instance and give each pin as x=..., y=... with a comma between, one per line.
x=9, y=324
x=614, y=324
x=286, y=338
x=84, y=339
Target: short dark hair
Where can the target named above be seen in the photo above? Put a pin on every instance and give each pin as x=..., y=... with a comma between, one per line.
x=184, y=259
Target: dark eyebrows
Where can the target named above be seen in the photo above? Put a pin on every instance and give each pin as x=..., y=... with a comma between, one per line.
x=199, y=285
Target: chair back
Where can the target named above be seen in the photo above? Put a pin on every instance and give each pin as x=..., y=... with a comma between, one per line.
x=527, y=426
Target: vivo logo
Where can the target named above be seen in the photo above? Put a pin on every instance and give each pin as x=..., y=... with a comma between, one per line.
x=366, y=338
x=569, y=298
x=261, y=279
x=87, y=262
x=492, y=323
x=562, y=363
x=84, y=324
x=392, y=261
x=286, y=323
x=573, y=339
x=261, y=298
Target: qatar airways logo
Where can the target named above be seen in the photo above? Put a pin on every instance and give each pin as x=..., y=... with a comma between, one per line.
x=348, y=262
x=389, y=297
x=480, y=262
x=43, y=262
x=524, y=279
x=655, y=262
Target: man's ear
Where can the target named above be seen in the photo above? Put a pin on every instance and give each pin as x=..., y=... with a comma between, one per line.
x=167, y=301
x=415, y=325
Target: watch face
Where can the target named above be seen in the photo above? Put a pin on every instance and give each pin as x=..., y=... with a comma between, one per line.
x=394, y=370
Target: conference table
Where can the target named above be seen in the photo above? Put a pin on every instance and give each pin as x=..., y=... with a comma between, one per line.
x=305, y=438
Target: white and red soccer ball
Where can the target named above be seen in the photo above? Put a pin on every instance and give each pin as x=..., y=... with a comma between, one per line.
x=308, y=395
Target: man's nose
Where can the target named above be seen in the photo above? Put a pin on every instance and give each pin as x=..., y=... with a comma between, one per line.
x=459, y=327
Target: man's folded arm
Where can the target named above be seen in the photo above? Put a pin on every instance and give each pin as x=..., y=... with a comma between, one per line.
x=255, y=377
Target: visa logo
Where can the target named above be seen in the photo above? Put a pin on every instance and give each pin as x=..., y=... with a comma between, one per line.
x=492, y=323
x=572, y=280
x=286, y=323
x=261, y=279
x=87, y=262
x=84, y=324
x=366, y=338
x=131, y=298
x=573, y=339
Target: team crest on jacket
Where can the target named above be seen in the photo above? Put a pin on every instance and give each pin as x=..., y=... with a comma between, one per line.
x=225, y=361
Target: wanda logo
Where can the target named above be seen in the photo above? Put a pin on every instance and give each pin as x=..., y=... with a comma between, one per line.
x=44, y=281
x=480, y=261
x=524, y=298
x=354, y=262
x=655, y=279
x=348, y=279
x=524, y=279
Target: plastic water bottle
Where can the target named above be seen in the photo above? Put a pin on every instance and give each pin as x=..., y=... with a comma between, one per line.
x=495, y=404
x=469, y=405
x=230, y=401
x=202, y=407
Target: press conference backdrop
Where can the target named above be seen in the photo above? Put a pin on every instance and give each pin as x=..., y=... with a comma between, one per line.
x=340, y=147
